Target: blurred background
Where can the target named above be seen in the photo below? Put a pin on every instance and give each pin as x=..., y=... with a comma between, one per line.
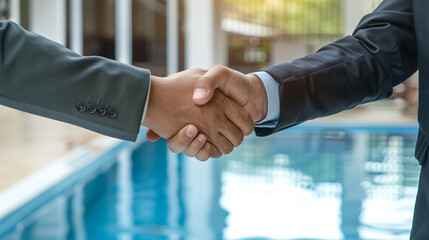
x=167, y=36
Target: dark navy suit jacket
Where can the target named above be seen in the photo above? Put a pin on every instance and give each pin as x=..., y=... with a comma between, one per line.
x=387, y=47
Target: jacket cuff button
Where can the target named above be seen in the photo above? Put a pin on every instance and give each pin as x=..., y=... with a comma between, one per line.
x=112, y=113
x=81, y=107
x=92, y=108
x=102, y=111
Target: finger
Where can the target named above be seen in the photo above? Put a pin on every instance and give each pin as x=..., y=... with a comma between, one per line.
x=182, y=139
x=223, y=144
x=208, y=151
x=204, y=154
x=204, y=87
x=240, y=118
x=152, y=136
x=231, y=132
x=214, y=152
x=196, y=145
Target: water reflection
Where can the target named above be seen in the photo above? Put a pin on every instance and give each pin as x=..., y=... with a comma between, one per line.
x=339, y=184
x=296, y=185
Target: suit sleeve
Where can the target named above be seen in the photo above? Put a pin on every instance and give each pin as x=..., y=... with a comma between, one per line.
x=357, y=69
x=44, y=78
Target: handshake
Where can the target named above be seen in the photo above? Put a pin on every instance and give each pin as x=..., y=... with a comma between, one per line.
x=204, y=113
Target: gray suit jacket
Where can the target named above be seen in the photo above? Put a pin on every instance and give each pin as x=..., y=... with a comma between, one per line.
x=42, y=77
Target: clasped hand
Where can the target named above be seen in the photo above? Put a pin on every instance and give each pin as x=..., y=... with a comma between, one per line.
x=204, y=113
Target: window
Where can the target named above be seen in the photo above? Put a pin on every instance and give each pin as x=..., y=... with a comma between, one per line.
x=99, y=28
x=258, y=29
x=4, y=9
x=149, y=35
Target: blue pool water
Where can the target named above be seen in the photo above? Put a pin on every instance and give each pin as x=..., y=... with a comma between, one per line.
x=304, y=183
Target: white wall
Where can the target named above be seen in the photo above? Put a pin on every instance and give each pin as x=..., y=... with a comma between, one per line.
x=199, y=37
x=353, y=12
x=205, y=42
x=48, y=18
x=172, y=36
x=76, y=26
x=286, y=51
x=15, y=11
x=123, y=33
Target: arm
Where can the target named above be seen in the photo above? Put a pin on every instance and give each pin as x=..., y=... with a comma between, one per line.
x=44, y=78
x=354, y=70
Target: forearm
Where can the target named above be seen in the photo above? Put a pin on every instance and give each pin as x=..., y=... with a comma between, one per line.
x=42, y=77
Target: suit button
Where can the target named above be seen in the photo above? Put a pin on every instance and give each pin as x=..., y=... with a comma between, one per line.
x=81, y=107
x=92, y=108
x=112, y=113
x=102, y=111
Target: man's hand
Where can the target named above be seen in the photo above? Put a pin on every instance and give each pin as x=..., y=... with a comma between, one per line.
x=222, y=121
x=247, y=90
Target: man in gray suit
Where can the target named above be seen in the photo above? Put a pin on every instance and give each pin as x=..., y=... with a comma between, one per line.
x=42, y=77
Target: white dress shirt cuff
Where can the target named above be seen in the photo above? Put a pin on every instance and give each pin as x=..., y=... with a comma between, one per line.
x=272, y=89
x=147, y=102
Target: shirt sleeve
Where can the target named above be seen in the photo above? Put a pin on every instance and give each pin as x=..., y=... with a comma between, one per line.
x=272, y=88
x=147, y=103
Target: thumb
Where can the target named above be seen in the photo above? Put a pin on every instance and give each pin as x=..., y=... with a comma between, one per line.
x=205, y=86
x=152, y=136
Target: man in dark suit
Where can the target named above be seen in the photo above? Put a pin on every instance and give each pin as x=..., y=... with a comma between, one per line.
x=386, y=48
x=44, y=78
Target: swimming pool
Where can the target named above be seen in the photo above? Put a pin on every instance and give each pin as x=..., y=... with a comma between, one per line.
x=305, y=183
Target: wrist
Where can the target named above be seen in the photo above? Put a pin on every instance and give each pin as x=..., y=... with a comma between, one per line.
x=152, y=110
x=258, y=97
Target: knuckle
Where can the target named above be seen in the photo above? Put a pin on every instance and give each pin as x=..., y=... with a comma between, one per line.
x=248, y=129
x=242, y=118
x=220, y=69
x=228, y=149
x=189, y=154
x=237, y=138
x=202, y=158
x=173, y=149
x=246, y=122
x=203, y=155
x=198, y=71
x=218, y=66
x=205, y=81
x=215, y=153
x=240, y=139
x=202, y=71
